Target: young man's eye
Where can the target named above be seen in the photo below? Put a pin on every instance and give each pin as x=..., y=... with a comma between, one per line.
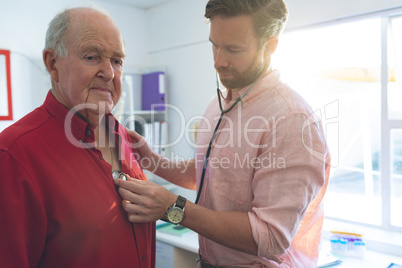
x=231, y=50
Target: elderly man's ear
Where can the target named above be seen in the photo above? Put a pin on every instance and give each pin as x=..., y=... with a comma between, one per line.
x=49, y=58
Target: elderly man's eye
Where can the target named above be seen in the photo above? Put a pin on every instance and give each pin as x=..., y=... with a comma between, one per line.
x=117, y=61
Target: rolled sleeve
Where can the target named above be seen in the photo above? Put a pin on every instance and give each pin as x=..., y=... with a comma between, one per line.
x=286, y=184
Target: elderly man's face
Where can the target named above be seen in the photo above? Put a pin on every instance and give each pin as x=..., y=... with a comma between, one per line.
x=92, y=72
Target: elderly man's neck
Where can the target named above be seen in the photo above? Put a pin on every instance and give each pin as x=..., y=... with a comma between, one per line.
x=104, y=137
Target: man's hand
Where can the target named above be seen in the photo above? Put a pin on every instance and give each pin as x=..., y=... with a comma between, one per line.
x=144, y=201
x=181, y=173
x=144, y=150
x=140, y=144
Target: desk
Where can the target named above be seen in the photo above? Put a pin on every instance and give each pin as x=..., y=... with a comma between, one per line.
x=176, y=251
x=181, y=252
x=371, y=259
x=188, y=242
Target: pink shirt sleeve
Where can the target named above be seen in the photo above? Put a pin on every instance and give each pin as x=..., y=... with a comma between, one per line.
x=285, y=186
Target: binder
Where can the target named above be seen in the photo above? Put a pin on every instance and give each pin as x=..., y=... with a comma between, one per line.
x=153, y=91
x=157, y=137
x=163, y=138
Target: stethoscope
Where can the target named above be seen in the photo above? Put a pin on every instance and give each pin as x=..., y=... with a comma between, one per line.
x=223, y=112
x=119, y=175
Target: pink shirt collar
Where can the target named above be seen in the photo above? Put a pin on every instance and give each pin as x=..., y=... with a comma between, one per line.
x=267, y=82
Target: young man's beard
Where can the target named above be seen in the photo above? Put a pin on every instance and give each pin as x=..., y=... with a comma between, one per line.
x=246, y=78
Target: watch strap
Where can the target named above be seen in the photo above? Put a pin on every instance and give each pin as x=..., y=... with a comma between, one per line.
x=181, y=202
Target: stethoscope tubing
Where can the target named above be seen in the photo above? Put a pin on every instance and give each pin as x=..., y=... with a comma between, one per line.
x=223, y=112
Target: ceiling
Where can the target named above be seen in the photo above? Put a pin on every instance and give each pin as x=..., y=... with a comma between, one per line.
x=137, y=3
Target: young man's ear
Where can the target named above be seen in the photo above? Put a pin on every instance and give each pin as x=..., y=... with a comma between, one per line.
x=49, y=58
x=270, y=46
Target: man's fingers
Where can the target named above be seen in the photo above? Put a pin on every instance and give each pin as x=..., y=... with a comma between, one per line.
x=131, y=183
x=137, y=213
x=128, y=195
x=134, y=135
x=131, y=208
x=138, y=140
x=139, y=218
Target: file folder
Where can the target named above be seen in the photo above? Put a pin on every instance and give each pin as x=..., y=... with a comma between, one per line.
x=153, y=91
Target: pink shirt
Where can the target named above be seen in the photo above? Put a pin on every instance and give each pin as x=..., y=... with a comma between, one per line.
x=269, y=159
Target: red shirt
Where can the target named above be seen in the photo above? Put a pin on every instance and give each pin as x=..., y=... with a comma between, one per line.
x=58, y=203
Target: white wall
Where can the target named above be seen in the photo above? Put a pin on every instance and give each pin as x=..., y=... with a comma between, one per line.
x=308, y=12
x=179, y=40
x=23, y=25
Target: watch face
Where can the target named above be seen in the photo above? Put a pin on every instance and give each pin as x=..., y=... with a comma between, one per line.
x=175, y=215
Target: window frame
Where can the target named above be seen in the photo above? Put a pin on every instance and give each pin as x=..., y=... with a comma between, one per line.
x=387, y=126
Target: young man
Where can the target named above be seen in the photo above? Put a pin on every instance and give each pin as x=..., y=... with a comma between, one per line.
x=58, y=202
x=264, y=174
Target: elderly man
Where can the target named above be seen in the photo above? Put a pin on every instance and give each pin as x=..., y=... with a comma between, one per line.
x=58, y=203
x=262, y=162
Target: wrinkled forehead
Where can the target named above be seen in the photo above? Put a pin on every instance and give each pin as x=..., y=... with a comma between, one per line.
x=91, y=27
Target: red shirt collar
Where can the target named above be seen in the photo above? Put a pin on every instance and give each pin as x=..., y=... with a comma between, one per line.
x=74, y=124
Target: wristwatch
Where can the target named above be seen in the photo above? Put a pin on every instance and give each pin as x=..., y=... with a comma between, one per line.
x=175, y=213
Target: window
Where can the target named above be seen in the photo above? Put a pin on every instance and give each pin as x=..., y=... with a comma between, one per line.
x=351, y=74
x=395, y=117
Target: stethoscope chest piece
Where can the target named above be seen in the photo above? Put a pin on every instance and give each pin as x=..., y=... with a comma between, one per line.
x=119, y=175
